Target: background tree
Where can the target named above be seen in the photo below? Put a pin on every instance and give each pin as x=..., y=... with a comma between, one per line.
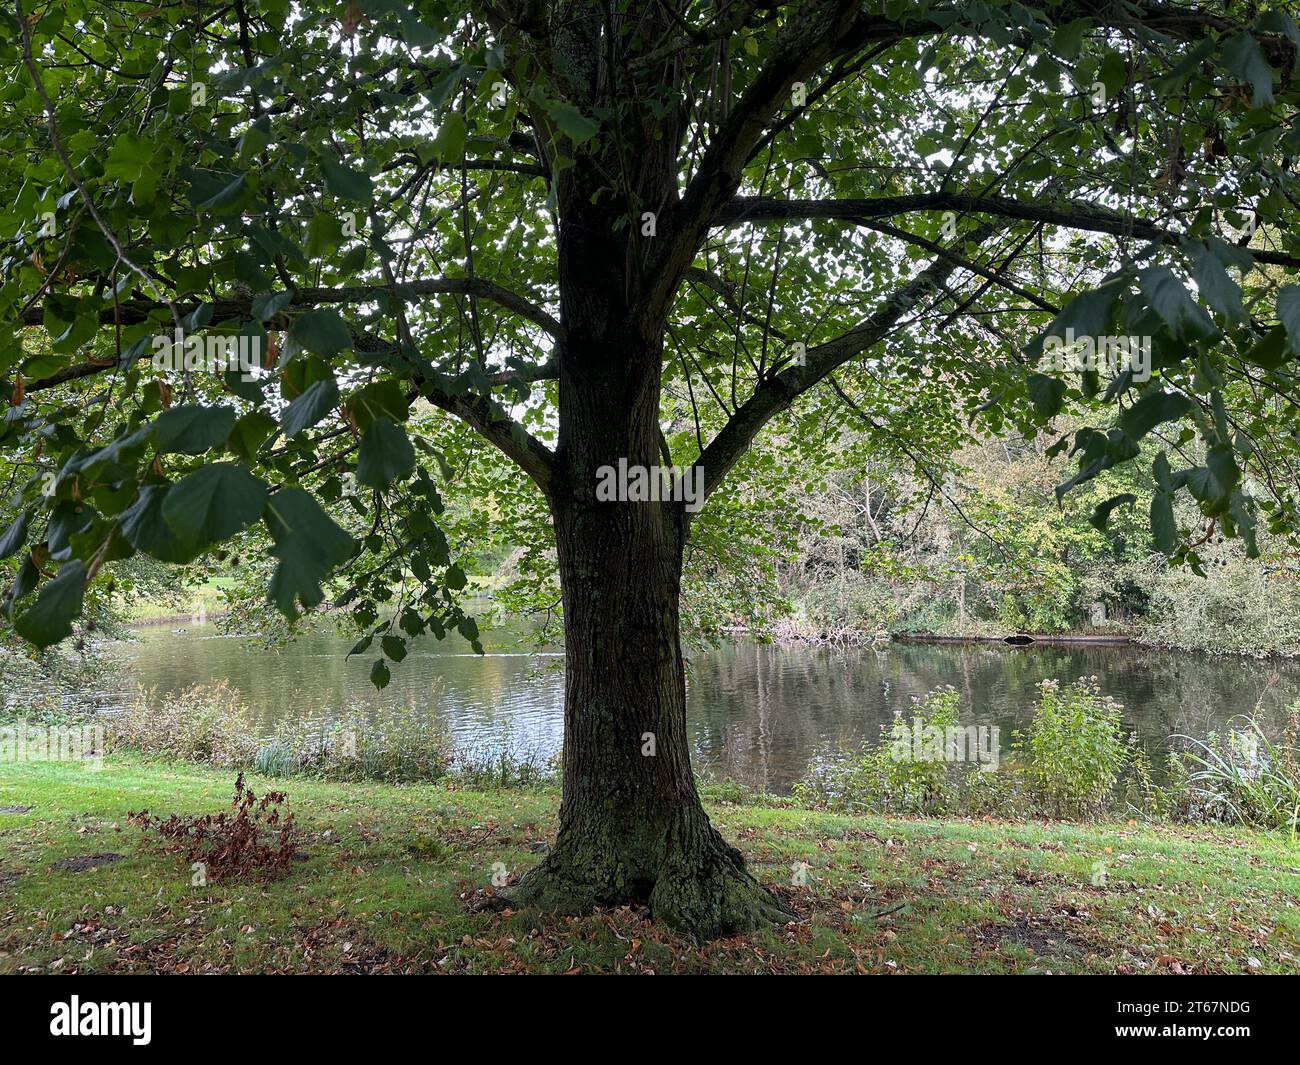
x=604, y=232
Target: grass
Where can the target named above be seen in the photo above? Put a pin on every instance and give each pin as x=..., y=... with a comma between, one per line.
x=388, y=872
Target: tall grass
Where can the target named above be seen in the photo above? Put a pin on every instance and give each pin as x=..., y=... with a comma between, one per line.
x=393, y=745
x=1248, y=777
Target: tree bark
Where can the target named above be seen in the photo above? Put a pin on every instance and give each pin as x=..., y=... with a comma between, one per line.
x=632, y=829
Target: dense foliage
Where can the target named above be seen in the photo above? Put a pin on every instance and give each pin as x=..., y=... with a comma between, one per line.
x=254, y=257
x=297, y=176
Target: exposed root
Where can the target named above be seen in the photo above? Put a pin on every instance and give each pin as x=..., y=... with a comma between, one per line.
x=706, y=892
x=552, y=887
x=702, y=890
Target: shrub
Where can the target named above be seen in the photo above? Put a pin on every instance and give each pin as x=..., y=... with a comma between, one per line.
x=887, y=778
x=275, y=760
x=200, y=724
x=1074, y=749
x=393, y=745
x=997, y=794
x=489, y=770
x=252, y=838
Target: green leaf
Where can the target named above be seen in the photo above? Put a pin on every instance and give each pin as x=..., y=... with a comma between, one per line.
x=394, y=647
x=309, y=545
x=379, y=675
x=144, y=529
x=1271, y=350
x=128, y=158
x=1154, y=408
x=1163, y=475
x=192, y=429
x=250, y=433
x=1242, y=511
x=268, y=306
x=1113, y=73
x=1164, y=530
x=1046, y=393
x=386, y=454
x=1089, y=314
x=49, y=619
x=1213, y=483
x=322, y=332
x=449, y=142
x=1217, y=286
x=310, y=407
x=213, y=503
x=345, y=182
x=16, y=535
x=324, y=236
x=1288, y=313
x=1102, y=511
x=225, y=196
x=26, y=580
x=572, y=122
x=384, y=398
x=1243, y=56
x=1169, y=299
x=1068, y=39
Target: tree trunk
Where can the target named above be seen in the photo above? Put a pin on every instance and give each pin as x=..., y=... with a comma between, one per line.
x=632, y=829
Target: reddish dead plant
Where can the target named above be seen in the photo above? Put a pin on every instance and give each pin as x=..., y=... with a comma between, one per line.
x=234, y=843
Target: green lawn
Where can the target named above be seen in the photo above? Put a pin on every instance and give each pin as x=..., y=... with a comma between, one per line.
x=389, y=871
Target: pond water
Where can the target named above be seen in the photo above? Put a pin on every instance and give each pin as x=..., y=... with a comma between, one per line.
x=758, y=713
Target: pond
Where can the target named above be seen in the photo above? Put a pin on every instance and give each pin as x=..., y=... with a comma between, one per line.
x=758, y=713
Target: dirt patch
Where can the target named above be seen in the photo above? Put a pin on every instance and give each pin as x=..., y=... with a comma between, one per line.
x=81, y=862
x=14, y=809
x=1041, y=938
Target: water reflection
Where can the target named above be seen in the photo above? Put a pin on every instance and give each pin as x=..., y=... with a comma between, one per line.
x=757, y=713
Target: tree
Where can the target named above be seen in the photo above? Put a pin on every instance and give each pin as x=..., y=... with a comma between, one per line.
x=617, y=237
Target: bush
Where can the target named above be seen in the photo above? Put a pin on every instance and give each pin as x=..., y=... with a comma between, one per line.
x=1074, y=749
x=1066, y=764
x=888, y=778
x=252, y=838
x=502, y=768
x=275, y=760
x=392, y=745
x=1242, y=606
x=200, y=724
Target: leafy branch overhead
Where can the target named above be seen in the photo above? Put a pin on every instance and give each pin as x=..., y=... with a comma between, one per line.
x=272, y=275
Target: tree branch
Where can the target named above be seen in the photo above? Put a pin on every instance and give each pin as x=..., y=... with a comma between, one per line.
x=498, y=428
x=823, y=31
x=774, y=394
x=1069, y=214
x=134, y=311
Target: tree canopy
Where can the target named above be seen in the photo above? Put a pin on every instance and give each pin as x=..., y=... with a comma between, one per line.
x=573, y=231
